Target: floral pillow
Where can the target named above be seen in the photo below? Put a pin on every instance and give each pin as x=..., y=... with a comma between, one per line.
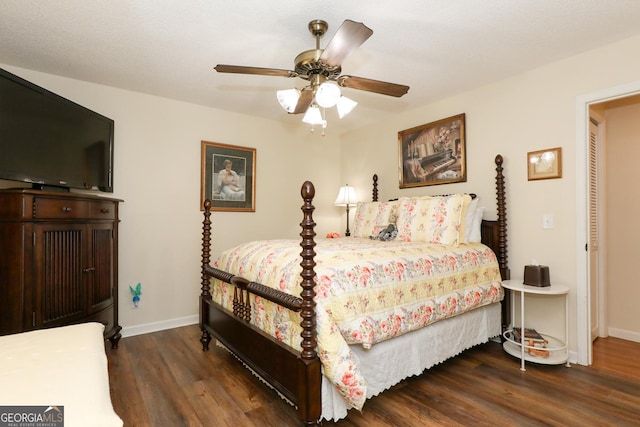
x=371, y=217
x=431, y=219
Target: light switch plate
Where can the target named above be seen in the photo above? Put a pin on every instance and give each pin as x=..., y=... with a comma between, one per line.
x=547, y=221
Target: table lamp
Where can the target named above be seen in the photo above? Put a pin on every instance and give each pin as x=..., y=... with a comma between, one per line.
x=346, y=197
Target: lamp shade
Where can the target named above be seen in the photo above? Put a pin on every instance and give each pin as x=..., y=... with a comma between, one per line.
x=327, y=94
x=313, y=116
x=346, y=196
x=288, y=99
x=345, y=105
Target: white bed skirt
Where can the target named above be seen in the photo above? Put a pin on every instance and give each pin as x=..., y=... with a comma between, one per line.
x=412, y=353
x=65, y=366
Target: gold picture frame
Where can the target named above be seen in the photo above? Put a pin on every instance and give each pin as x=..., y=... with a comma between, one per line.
x=544, y=164
x=228, y=177
x=434, y=153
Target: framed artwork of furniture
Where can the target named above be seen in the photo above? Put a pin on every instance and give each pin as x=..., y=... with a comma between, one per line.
x=228, y=177
x=544, y=164
x=434, y=153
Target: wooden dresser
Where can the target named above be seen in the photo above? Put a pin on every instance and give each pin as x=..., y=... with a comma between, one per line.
x=58, y=261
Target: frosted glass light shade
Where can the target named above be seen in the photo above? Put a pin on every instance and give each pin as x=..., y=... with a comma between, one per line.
x=288, y=99
x=327, y=94
x=345, y=105
x=346, y=196
x=313, y=116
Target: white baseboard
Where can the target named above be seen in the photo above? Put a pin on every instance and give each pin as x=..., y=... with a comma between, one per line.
x=130, y=331
x=625, y=335
x=573, y=357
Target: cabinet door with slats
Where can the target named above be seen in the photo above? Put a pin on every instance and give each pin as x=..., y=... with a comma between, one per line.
x=60, y=268
x=101, y=256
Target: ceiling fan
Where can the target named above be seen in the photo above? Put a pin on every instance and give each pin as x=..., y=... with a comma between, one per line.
x=322, y=68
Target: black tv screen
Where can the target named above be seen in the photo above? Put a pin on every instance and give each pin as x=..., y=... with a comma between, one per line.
x=50, y=141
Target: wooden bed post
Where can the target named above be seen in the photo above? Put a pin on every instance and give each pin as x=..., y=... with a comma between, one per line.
x=205, y=286
x=309, y=405
x=502, y=220
x=374, y=197
x=501, y=253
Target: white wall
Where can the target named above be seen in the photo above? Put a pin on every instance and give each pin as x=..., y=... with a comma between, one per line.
x=157, y=174
x=532, y=111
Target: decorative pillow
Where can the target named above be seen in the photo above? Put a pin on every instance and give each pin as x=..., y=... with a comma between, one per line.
x=370, y=215
x=433, y=220
x=470, y=226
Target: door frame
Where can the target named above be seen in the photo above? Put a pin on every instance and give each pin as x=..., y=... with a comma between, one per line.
x=583, y=300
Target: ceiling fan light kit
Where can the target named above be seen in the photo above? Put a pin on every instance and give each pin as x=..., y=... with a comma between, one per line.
x=322, y=68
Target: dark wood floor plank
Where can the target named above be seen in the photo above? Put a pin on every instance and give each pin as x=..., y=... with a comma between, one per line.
x=125, y=393
x=240, y=384
x=158, y=386
x=165, y=378
x=213, y=406
x=616, y=356
x=187, y=366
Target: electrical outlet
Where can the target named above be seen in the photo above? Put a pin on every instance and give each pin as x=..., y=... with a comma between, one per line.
x=547, y=221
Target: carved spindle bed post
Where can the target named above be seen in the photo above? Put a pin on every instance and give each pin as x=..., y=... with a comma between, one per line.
x=310, y=405
x=502, y=220
x=205, y=286
x=375, y=188
x=501, y=252
x=308, y=313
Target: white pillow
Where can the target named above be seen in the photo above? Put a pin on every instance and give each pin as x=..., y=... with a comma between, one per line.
x=468, y=219
x=476, y=234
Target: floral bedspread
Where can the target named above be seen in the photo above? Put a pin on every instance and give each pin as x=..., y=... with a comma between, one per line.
x=367, y=291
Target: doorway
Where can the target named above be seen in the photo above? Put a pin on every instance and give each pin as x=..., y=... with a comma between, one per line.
x=586, y=318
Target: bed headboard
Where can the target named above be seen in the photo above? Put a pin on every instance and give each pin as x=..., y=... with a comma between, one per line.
x=493, y=232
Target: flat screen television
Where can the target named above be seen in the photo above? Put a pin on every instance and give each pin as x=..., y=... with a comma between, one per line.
x=51, y=142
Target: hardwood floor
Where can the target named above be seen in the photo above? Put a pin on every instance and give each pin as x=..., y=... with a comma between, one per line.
x=165, y=379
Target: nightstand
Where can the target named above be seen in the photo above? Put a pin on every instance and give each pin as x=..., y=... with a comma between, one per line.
x=558, y=350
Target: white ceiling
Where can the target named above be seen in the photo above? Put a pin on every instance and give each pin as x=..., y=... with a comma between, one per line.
x=169, y=47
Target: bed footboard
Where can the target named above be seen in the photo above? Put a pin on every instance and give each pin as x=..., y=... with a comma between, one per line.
x=294, y=374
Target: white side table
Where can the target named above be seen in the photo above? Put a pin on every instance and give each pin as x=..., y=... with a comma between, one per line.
x=558, y=348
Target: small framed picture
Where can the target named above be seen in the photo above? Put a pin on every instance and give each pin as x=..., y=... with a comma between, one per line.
x=544, y=164
x=228, y=177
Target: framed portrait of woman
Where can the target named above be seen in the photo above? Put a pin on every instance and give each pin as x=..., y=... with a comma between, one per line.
x=228, y=177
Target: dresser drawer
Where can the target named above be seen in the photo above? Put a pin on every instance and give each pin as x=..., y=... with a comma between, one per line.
x=59, y=208
x=102, y=210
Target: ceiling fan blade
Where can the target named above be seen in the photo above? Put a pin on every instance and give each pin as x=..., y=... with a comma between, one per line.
x=306, y=96
x=349, y=37
x=221, y=68
x=384, y=88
